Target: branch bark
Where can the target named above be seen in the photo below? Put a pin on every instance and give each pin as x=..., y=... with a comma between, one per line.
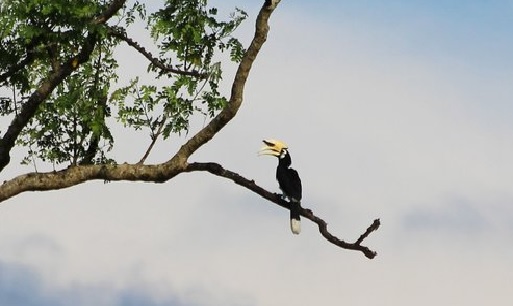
x=218, y=170
x=75, y=175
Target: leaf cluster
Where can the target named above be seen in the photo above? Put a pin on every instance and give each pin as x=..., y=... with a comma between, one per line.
x=71, y=125
x=189, y=36
x=37, y=33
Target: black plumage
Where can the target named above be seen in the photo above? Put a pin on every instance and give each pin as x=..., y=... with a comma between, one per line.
x=290, y=184
x=288, y=180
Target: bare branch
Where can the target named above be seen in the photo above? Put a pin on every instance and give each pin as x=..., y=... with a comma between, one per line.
x=118, y=33
x=218, y=170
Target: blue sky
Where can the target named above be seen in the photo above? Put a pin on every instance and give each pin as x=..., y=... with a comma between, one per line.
x=393, y=109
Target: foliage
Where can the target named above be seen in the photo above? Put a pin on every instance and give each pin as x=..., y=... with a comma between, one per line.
x=41, y=32
x=188, y=36
x=72, y=125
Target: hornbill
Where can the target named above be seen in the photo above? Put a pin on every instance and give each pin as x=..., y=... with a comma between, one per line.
x=288, y=179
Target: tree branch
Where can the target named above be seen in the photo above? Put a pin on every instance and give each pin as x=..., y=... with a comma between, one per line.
x=75, y=175
x=120, y=34
x=159, y=173
x=154, y=137
x=218, y=170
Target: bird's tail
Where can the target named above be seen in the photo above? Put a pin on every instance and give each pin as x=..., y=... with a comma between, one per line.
x=295, y=220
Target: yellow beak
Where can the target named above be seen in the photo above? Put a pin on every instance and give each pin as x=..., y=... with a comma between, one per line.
x=272, y=147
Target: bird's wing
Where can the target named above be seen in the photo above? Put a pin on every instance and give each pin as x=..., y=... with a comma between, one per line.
x=294, y=188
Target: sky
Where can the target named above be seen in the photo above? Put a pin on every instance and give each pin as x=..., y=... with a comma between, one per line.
x=398, y=110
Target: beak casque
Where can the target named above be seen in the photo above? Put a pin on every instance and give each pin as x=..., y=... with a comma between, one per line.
x=272, y=147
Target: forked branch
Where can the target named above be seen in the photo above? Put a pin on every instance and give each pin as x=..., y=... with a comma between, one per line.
x=218, y=170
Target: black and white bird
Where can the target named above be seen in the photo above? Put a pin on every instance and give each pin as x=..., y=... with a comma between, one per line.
x=288, y=180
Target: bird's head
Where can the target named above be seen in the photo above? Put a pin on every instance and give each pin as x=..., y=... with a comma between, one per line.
x=274, y=148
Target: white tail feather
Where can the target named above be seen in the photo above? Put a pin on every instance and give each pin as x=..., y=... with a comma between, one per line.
x=295, y=226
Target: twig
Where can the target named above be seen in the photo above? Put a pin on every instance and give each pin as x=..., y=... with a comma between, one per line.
x=154, y=137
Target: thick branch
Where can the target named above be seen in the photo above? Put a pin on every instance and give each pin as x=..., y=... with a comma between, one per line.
x=46, y=87
x=218, y=170
x=155, y=61
x=75, y=175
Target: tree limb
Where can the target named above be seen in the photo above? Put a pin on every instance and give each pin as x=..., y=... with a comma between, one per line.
x=218, y=170
x=154, y=137
x=75, y=175
x=120, y=34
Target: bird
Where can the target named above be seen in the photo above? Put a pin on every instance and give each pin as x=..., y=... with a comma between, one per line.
x=288, y=179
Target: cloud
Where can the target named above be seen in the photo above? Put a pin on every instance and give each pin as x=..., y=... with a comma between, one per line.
x=21, y=285
x=455, y=217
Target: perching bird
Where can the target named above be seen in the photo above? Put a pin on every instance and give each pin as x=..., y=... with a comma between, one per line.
x=288, y=179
